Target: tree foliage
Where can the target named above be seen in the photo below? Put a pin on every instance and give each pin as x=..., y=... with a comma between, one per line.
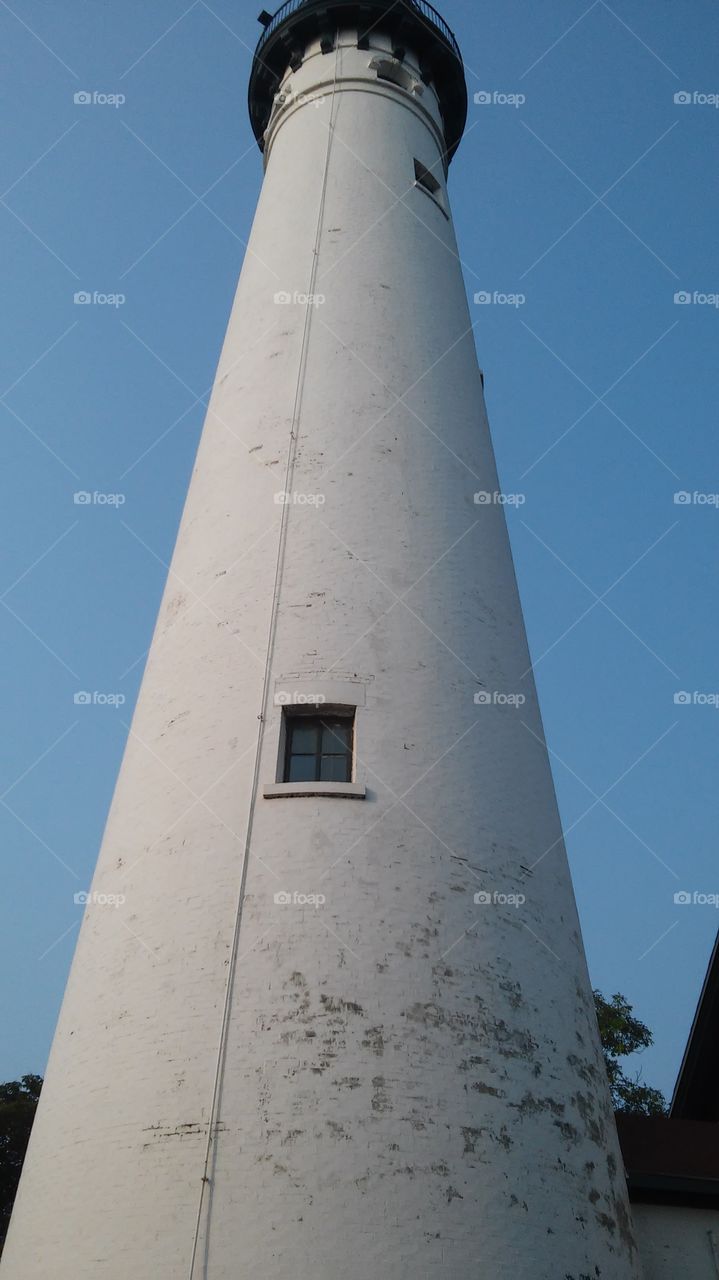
x=18, y=1102
x=621, y=1034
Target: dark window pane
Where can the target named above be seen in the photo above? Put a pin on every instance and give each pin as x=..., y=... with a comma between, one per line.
x=336, y=735
x=302, y=769
x=319, y=748
x=303, y=735
x=335, y=769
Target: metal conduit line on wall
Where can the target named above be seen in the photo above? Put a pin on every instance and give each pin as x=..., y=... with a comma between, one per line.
x=213, y=1118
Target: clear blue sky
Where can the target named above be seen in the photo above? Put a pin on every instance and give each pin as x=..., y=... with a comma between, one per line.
x=602, y=396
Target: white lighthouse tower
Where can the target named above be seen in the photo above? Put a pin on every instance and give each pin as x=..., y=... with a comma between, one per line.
x=341, y=1026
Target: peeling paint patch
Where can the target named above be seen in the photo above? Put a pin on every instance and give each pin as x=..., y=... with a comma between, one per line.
x=467, y=1063
x=532, y=1106
x=335, y=1004
x=585, y=1070
x=585, y=1107
x=470, y=1139
x=513, y=991
x=338, y=1131
x=191, y=1129
x=511, y=1043
x=568, y=1131
x=480, y=1087
x=605, y=1221
x=380, y=1100
x=374, y=1041
x=349, y=1082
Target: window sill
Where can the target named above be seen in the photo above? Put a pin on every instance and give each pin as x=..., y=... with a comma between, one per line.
x=340, y=790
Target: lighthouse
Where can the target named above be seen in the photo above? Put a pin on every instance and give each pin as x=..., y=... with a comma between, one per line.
x=329, y=1016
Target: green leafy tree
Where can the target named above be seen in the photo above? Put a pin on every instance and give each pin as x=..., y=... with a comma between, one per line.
x=18, y=1102
x=621, y=1034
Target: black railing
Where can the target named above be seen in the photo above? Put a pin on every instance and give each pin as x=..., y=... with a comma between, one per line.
x=415, y=6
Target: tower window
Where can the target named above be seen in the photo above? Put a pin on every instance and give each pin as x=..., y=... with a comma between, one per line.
x=318, y=748
x=426, y=179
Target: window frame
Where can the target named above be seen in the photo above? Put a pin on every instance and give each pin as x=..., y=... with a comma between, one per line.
x=322, y=717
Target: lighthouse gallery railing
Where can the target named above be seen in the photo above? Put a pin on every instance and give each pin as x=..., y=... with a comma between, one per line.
x=419, y=6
